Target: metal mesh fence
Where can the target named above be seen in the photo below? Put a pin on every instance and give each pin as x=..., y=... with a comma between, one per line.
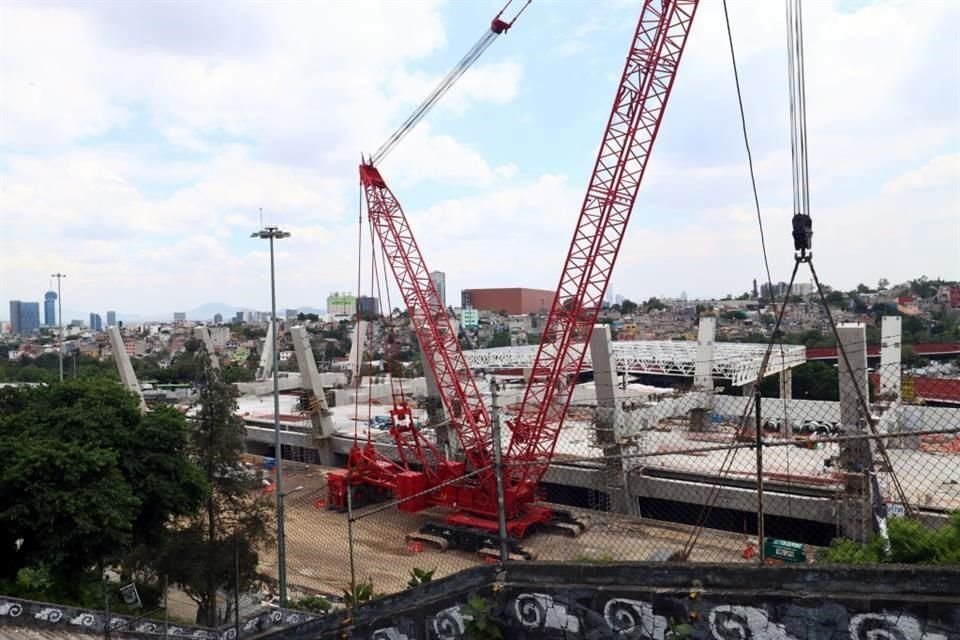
x=721, y=474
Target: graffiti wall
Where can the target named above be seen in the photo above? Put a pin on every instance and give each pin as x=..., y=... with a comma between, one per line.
x=25, y=613
x=668, y=602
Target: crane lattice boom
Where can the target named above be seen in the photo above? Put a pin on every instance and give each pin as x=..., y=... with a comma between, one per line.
x=635, y=119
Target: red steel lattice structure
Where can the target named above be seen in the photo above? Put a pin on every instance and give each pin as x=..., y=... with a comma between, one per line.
x=635, y=119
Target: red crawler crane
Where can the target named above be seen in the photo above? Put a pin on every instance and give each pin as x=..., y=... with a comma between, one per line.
x=634, y=122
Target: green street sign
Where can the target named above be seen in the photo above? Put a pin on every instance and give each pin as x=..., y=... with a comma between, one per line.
x=783, y=550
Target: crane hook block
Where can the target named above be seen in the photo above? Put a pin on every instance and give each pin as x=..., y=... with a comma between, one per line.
x=802, y=232
x=498, y=26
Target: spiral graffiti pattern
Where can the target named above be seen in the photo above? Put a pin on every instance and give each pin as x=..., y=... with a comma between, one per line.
x=727, y=623
x=448, y=624
x=529, y=611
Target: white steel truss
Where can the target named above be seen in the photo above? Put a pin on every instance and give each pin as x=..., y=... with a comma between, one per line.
x=734, y=361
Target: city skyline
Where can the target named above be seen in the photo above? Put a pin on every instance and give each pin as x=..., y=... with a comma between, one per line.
x=490, y=188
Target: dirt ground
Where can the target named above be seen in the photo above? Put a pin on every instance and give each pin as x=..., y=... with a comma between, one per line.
x=318, y=547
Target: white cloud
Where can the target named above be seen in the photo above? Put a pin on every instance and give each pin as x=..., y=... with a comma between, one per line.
x=138, y=146
x=941, y=171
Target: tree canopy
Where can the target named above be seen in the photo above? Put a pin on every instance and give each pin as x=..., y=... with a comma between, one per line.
x=85, y=476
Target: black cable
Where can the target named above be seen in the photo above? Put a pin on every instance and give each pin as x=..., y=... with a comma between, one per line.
x=746, y=142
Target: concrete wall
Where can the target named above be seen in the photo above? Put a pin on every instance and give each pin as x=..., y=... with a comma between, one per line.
x=661, y=601
x=20, y=615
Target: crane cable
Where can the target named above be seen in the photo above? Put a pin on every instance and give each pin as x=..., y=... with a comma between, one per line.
x=497, y=27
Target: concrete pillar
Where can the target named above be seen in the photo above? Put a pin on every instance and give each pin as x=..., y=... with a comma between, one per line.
x=127, y=375
x=609, y=418
x=856, y=457
x=853, y=339
x=786, y=393
x=703, y=366
x=447, y=439
x=703, y=374
x=203, y=333
x=890, y=354
x=265, y=370
x=357, y=348
x=320, y=414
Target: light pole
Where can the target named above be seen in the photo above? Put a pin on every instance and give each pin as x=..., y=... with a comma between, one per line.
x=271, y=234
x=60, y=276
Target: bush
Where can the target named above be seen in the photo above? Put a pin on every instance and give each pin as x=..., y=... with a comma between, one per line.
x=910, y=543
x=312, y=604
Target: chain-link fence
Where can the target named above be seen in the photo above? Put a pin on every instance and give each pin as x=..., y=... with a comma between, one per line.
x=721, y=474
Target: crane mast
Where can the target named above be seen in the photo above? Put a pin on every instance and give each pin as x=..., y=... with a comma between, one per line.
x=438, y=343
x=435, y=334
x=634, y=122
x=644, y=89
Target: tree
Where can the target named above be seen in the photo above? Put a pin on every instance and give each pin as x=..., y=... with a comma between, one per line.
x=883, y=283
x=234, y=523
x=500, y=339
x=628, y=307
x=815, y=381
x=837, y=299
x=86, y=477
x=862, y=288
x=654, y=304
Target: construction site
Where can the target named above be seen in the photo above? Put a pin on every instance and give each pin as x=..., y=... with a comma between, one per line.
x=559, y=451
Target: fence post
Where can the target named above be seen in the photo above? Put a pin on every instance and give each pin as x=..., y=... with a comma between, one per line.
x=759, y=444
x=498, y=472
x=353, y=571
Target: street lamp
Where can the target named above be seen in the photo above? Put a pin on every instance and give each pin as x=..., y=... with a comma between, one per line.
x=60, y=276
x=271, y=234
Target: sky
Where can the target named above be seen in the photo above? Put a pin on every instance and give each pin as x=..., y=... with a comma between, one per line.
x=140, y=140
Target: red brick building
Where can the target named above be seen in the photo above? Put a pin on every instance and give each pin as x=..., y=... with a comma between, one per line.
x=514, y=300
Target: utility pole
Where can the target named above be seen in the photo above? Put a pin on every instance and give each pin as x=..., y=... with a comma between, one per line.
x=271, y=234
x=60, y=276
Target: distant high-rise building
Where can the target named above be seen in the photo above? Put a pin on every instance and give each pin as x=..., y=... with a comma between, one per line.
x=217, y=318
x=367, y=305
x=779, y=290
x=513, y=301
x=111, y=318
x=756, y=292
x=96, y=322
x=683, y=296
x=618, y=299
x=440, y=284
x=238, y=316
x=341, y=304
x=291, y=314
x=24, y=317
x=179, y=317
x=50, y=308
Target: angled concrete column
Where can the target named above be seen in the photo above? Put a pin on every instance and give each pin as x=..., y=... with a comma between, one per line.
x=320, y=414
x=203, y=333
x=706, y=347
x=357, y=348
x=853, y=340
x=446, y=437
x=127, y=375
x=609, y=419
x=890, y=354
x=856, y=456
x=703, y=374
x=265, y=370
